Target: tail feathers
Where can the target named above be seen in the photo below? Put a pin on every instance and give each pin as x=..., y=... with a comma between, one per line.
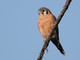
x=61, y=48
x=58, y=45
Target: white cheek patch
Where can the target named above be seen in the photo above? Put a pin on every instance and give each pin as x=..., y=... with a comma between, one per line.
x=44, y=12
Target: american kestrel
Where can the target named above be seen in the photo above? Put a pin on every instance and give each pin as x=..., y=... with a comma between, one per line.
x=45, y=23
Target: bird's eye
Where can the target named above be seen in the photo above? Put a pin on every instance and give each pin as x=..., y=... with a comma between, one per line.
x=43, y=10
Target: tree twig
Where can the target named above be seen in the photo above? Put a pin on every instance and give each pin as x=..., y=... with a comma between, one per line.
x=46, y=43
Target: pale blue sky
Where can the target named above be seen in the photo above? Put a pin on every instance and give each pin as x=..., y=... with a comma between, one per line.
x=19, y=35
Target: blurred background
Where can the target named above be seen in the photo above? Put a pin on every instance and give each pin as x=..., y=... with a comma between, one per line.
x=19, y=35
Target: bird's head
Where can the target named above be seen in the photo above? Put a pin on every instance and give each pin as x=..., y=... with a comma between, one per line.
x=44, y=11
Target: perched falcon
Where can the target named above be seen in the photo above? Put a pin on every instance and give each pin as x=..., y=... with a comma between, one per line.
x=45, y=22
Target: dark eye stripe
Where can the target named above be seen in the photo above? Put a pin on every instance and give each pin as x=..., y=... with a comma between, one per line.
x=46, y=12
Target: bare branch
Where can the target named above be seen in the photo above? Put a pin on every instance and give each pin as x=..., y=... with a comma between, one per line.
x=46, y=43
